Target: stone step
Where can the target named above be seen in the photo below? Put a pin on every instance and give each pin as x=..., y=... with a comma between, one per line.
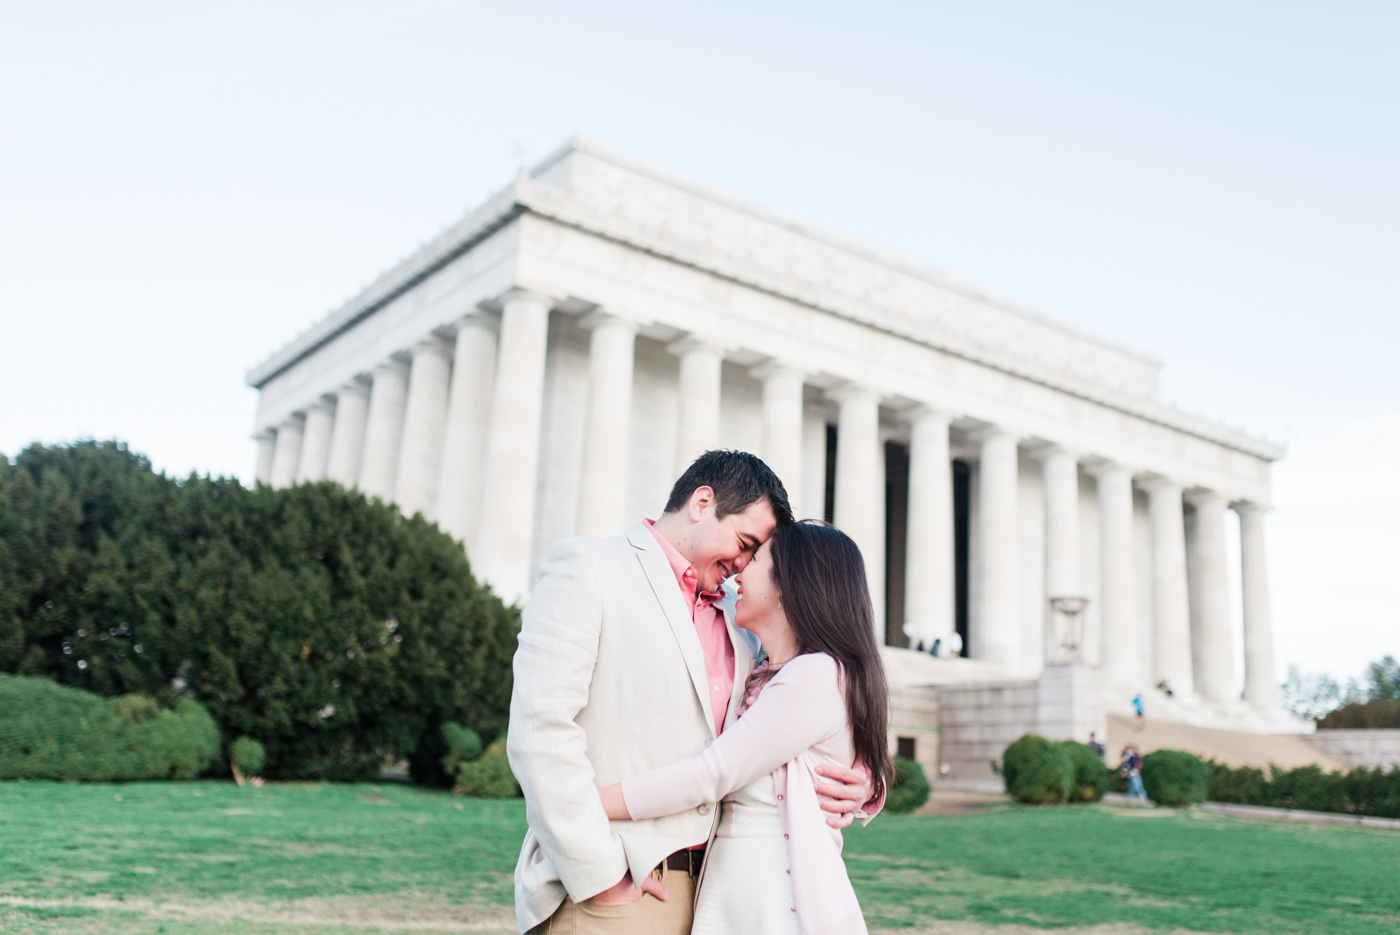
x=1233, y=748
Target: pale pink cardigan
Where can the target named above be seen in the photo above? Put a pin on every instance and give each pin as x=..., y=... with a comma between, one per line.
x=797, y=723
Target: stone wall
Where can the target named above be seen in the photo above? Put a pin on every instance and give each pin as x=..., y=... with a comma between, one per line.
x=976, y=722
x=1359, y=747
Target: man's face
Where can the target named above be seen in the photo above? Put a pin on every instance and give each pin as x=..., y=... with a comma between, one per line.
x=718, y=548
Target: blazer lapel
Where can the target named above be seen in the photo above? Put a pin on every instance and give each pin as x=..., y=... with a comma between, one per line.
x=668, y=593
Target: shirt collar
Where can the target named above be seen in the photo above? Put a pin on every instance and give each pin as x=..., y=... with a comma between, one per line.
x=684, y=571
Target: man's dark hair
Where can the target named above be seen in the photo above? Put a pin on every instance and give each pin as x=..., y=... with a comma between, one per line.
x=737, y=478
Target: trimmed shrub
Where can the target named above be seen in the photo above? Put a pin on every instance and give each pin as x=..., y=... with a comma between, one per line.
x=489, y=775
x=462, y=745
x=910, y=789
x=1243, y=786
x=1037, y=771
x=1090, y=773
x=330, y=628
x=248, y=756
x=1175, y=778
x=54, y=732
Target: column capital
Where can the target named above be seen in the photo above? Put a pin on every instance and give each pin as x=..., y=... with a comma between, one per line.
x=1100, y=467
x=1250, y=508
x=295, y=419
x=777, y=368
x=1201, y=497
x=265, y=434
x=356, y=384
x=431, y=345
x=477, y=319
x=853, y=392
x=518, y=294
x=1159, y=484
x=991, y=432
x=1054, y=450
x=391, y=364
x=696, y=344
x=923, y=412
x=598, y=318
x=323, y=403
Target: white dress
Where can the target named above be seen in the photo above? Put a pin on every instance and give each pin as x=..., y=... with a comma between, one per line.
x=747, y=888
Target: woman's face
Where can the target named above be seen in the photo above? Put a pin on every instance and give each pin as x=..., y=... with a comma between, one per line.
x=759, y=608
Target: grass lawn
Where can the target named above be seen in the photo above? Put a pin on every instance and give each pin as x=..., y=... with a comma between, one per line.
x=184, y=858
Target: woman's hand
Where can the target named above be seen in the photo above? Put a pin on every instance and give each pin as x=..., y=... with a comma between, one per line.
x=846, y=792
x=613, y=803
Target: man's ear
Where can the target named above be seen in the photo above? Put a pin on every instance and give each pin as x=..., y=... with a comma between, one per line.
x=701, y=501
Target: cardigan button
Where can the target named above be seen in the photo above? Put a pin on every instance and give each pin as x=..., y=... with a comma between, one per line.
x=780, y=797
x=785, y=837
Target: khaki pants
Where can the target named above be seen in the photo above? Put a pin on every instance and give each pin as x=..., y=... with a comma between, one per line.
x=646, y=916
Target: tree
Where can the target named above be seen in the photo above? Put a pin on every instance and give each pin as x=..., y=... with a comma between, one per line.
x=1383, y=679
x=327, y=627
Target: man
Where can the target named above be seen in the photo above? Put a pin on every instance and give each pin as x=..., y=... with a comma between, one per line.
x=626, y=663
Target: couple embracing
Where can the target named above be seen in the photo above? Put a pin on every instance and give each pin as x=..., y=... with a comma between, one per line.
x=689, y=754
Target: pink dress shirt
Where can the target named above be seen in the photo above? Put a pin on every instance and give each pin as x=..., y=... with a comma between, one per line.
x=797, y=724
x=709, y=626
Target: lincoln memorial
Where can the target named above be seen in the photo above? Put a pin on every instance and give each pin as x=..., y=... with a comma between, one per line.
x=547, y=366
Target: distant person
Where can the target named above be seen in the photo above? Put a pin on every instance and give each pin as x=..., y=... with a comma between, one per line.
x=1132, y=768
x=1139, y=717
x=1164, y=688
x=951, y=646
x=1094, y=745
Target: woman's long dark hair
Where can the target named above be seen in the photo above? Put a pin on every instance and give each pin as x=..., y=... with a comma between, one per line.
x=820, y=575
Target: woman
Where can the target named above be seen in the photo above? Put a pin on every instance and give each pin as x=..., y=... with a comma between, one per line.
x=775, y=865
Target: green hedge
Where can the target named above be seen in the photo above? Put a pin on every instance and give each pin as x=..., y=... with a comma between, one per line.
x=1175, y=778
x=1378, y=713
x=910, y=789
x=50, y=731
x=1090, y=773
x=488, y=776
x=1362, y=791
x=329, y=628
x=1037, y=771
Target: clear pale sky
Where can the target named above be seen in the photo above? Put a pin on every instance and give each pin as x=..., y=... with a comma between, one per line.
x=184, y=187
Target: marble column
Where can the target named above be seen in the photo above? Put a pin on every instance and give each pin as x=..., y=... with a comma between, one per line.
x=383, y=430
x=782, y=425
x=315, y=441
x=513, y=447
x=267, y=446
x=424, y=424
x=997, y=636
x=1122, y=655
x=602, y=508
x=928, y=576
x=348, y=433
x=1215, y=674
x=468, y=419
x=1260, y=683
x=1171, y=619
x=698, y=422
x=1060, y=476
x=288, y=451
x=860, y=484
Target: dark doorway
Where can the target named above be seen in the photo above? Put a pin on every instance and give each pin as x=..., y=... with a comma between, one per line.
x=896, y=540
x=962, y=514
x=829, y=500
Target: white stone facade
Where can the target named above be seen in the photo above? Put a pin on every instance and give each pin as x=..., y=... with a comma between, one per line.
x=520, y=379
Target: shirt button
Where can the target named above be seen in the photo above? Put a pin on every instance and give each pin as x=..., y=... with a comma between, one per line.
x=705, y=810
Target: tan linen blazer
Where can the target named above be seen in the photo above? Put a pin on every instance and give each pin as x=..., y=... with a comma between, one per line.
x=609, y=682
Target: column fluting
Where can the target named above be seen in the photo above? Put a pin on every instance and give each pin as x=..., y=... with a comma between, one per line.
x=997, y=636
x=288, y=450
x=782, y=425
x=698, y=424
x=860, y=485
x=315, y=441
x=1122, y=652
x=267, y=447
x=1171, y=618
x=608, y=426
x=468, y=419
x=424, y=424
x=928, y=578
x=513, y=447
x=383, y=430
x=348, y=433
x=1060, y=475
x=1215, y=675
x=1260, y=684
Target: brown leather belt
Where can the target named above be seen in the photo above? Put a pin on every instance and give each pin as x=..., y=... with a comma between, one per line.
x=686, y=861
